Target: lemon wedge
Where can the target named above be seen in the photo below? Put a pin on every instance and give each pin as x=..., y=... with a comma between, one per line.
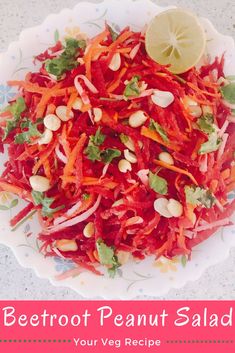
x=175, y=37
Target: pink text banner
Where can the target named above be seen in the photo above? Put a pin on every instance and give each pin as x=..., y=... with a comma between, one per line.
x=117, y=326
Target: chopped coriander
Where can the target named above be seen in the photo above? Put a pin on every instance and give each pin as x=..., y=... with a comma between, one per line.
x=67, y=60
x=132, y=88
x=158, y=184
x=206, y=123
x=157, y=127
x=211, y=145
x=40, y=199
x=93, y=152
x=32, y=131
x=98, y=138
x=109, y=154
x=107, y=257
x=16, y=110
x=197, y=196
x=228, y=92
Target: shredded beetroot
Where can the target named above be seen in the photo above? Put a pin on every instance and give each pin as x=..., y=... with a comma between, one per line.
x=90, y=198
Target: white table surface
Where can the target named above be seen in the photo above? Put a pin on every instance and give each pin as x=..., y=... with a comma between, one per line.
x=218, y=282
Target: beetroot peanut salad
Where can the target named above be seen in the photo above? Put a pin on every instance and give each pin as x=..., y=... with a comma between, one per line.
x=119, y=157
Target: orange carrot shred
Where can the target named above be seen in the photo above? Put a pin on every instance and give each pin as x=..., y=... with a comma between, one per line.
x=69, y=167
x=176, y=169
x=44, y=156
x=155, y=137
x=70, y=103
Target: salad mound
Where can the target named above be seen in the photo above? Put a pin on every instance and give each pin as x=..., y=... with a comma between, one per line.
x=118, y=156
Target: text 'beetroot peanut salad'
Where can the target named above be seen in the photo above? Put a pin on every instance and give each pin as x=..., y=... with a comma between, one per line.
x=118, y=156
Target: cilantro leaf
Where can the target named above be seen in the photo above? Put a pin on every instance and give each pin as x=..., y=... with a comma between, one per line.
x=31, y=132
x=157, y=127
x=40, y=199
x=206, y=123
x=16, y=110
x=197, y=196
x=67, y=60
x=114, y=35
x=107, y=257
x=158, y=184
x=228, y=92
x=10, y=125
x=211, y=145
x=98, y=138
x=132, y=88
x=93, y=153
x=109, y=154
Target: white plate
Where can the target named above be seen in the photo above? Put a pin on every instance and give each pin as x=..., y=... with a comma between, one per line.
x=144, y=278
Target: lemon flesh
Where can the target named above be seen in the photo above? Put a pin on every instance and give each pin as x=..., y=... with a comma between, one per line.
x=176, y=38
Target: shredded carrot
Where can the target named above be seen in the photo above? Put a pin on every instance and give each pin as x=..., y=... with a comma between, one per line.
x=70, y=103
x=177, y=182
x=201, y=101
x=45, y=98
x=124, y=36
x=200, y=91
x=30, y=87
x=6, y=114
x=91, y=256
x=50, y=109
x=64, y=141
x=90, y=181
x=94, y=44
x=44, y=156
x=85, y=108
x=232, y=176
x=213, y=185
x=130, y=189
x=114, y=84
x=176, y=169
x=155, y=137
x=181, y=240
x=225, y=173
x=15, y=190
x=108, y=49
x=28, y=152
x=96, y=256
x=47, y=169
x=200, y=141
x=69, y=167
x=230, y=187
x=189, y=212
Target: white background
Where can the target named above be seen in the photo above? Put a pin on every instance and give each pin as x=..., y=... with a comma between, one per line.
x=218, y=282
